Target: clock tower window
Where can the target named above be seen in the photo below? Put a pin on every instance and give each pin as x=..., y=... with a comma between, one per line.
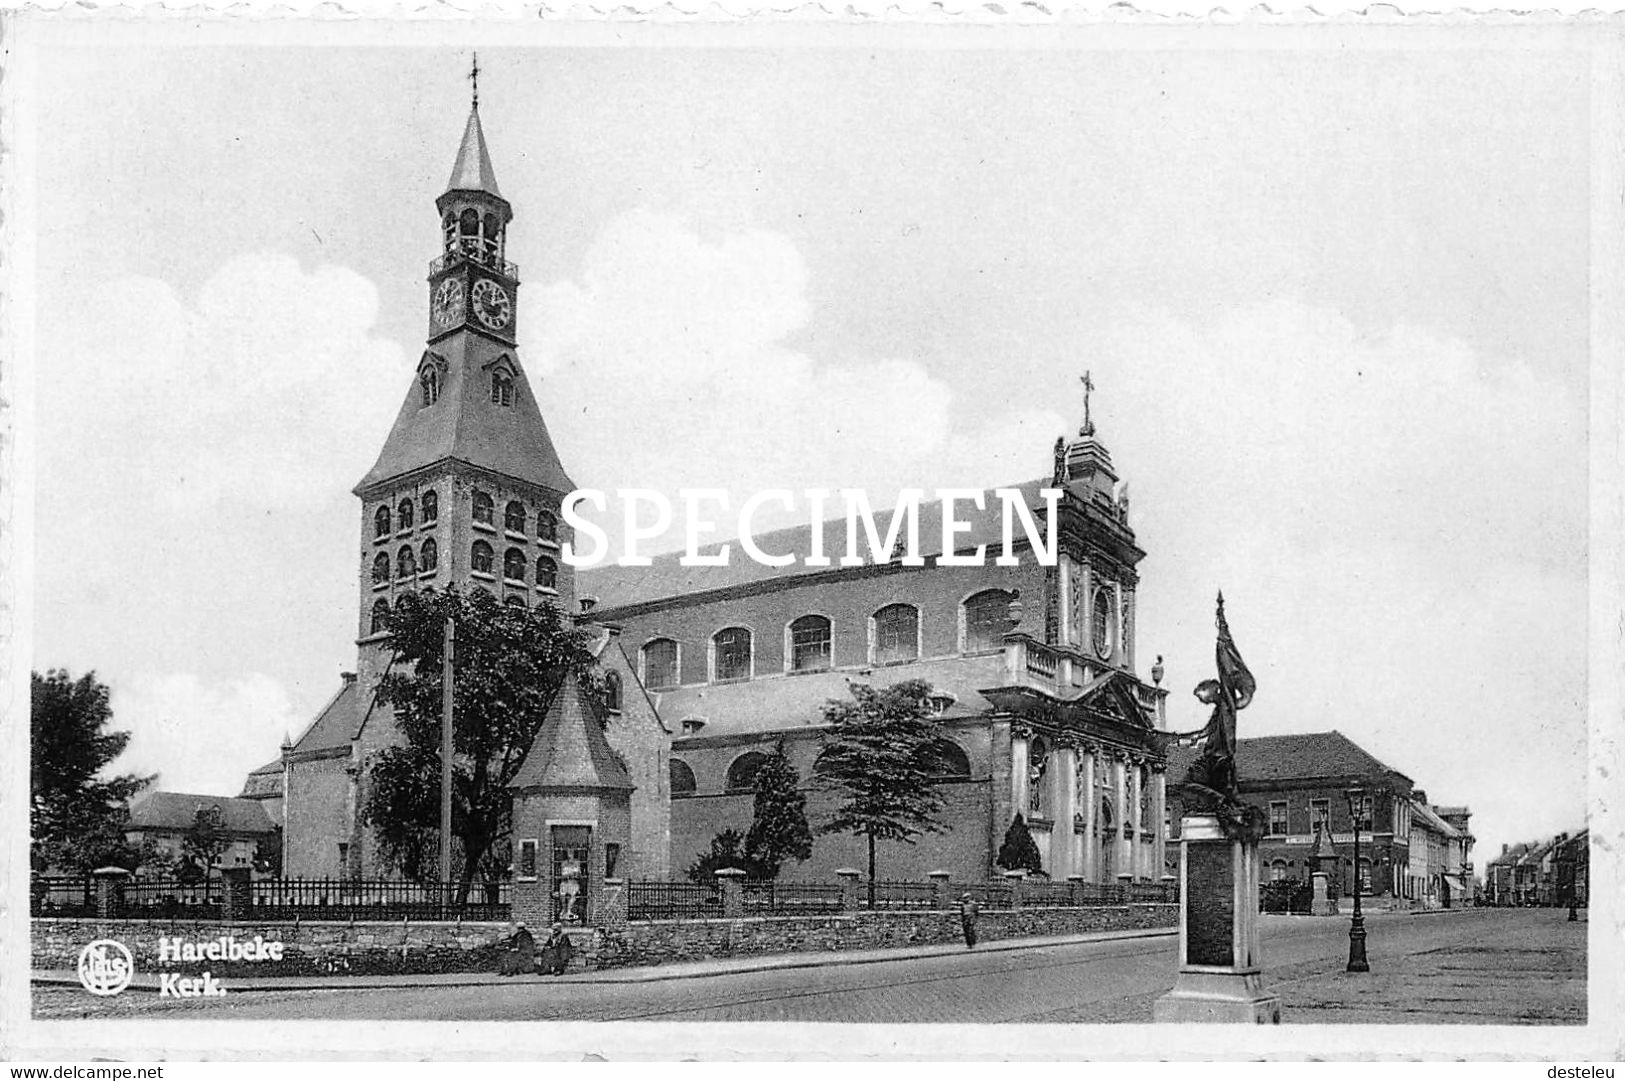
x=501, y=389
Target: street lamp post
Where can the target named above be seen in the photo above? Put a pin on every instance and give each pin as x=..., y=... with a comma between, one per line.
x=1357, y=961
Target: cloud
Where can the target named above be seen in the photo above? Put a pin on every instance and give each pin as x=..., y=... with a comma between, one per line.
x=667, y=365
x=202, y=735
x=249, y=393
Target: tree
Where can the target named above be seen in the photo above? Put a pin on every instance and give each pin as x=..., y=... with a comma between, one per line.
x=727, y=850
x=875, y=753
x=1019, y=852
x=778, y=829
x=268, y=853
x=207, y=839
x=509, y=663
x=76, y=813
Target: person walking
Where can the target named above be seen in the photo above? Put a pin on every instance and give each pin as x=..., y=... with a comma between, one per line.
x=968, y=910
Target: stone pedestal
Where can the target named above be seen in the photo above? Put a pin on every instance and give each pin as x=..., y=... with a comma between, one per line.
x=1219, y=971
x=1324, y=902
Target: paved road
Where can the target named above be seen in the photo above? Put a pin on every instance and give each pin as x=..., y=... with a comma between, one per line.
x=1426, y=969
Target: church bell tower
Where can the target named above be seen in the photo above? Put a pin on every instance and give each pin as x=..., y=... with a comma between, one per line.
x=467, y=489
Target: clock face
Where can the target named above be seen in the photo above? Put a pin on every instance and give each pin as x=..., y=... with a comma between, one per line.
x=448, y=302
x=491, y=304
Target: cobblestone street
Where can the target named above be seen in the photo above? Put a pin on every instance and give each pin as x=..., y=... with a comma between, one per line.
x=1496, y=966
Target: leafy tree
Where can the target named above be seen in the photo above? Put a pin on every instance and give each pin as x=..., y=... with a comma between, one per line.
x=727, y=850
x=875, y=753
x=76, y=812
x=268, y=854
x=1019, y=852
x=509, y=665
x=207, y=840
x=778, y=829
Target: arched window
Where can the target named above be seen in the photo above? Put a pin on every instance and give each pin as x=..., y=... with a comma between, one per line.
x=480, y=558
x=660, y=664
x=403, y=515
x=1278, y=871
x=380, y=568
x=431, y=506
x=945, y=760
x=682, y=778
x=730, y=654
x=1037, y=768
x=491, y=233
x=406, y=563
x=513, y=517
x=449, y=225
x=897, y=634
x=501, y=388
x=612, y=690
x=484, y=507
x=809, y=644
x=380, y=615
x=1100, y=622
x=513, y=565
x=380, y=522
x=430, y=382
x=469, y=223
x=547, y=526
x=742, y=773
x=429, y=560
x=987, y=617
x=547, y=573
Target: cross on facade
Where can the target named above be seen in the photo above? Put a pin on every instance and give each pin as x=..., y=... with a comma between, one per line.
x=1088, y=385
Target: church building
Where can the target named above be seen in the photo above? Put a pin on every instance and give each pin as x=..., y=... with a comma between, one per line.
x=1034, y=667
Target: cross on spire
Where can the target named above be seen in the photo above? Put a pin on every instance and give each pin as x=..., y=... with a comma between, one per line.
x=474, y=77
x=1088, y=385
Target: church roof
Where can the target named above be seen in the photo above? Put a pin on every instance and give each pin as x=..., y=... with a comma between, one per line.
x=616, y=586
x=570, y=751
x=472, y=171
x=464, y=425
x=178, y=811
x=335, y=725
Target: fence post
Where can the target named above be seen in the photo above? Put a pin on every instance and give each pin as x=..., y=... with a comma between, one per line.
x=1074, y=887
x=239, y=896
x=849, y=888
x=1015, y=879
x=729, y=879
x=941, y=890
x=612, y=906
x=108, y=883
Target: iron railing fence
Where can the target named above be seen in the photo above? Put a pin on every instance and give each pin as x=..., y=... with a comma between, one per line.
x=377, y=899
x=772, y=898
x=62, y=896
x=672, y=900
x=900, y=895
x=1042, y=894
x=988, y=894
x=1153, y=892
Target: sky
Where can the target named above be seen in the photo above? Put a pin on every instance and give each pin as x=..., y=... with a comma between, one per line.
x=1334, y=303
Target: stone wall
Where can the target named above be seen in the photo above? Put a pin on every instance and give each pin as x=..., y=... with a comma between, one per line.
x=666, y=941
x=384, y=948
x=309, y=949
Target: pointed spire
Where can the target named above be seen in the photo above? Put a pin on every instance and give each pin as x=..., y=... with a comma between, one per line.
x=473, y=171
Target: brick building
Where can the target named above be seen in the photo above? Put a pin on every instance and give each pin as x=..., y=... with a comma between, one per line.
x=1042, y=713
x=466, y=491
x=165, y=818
x=1300, y=781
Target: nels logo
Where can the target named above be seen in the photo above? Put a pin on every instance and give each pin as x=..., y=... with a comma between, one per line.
x=105, y=967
